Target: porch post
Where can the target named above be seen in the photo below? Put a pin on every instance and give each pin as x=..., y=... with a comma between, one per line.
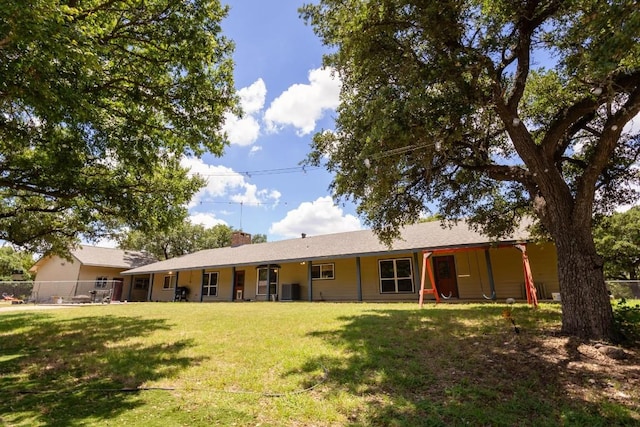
x=416, y=270
x=175, y=287
x=268, y=282
x=151, y=277
x=130, y=288
x=310, y=281
x=492, y=283
x=202, y=285
x=359, y=278
x=233, y=283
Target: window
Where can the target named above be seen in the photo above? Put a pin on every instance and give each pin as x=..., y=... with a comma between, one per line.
x=210, y=284
x=396, y=275
x=322, y=271
x=262, y=281
x=101, y=282
x=141, y=283
x=169, y=282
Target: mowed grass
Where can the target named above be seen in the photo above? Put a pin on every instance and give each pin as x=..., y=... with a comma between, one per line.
x=298, y=364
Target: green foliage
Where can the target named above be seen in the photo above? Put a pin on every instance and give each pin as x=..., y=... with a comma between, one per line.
x=12, y=261
x=489, y=115
x=180, y=240
x=617, y=239
x=627, y=319
x=259, y=238
x=99, y=101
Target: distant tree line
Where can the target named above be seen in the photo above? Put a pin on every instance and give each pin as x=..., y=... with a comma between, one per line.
x=181, y=240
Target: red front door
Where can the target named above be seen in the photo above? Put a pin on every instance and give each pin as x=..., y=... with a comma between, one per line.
x=117, y=289
x=445, y=276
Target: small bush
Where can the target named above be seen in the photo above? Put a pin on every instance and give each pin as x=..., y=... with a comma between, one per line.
x=627, y=319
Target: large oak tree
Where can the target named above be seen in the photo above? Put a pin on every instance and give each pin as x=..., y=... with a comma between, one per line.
x=99, y=100
x=489, y=110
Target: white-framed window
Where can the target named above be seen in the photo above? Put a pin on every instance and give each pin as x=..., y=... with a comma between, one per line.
x=141, y=283
x=169, y=282
x=210, y=283
x=396, y=275
x=101, y=282
x=262, y=281
x=322, y=271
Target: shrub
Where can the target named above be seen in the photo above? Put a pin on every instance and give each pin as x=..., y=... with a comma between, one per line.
x=627, y=319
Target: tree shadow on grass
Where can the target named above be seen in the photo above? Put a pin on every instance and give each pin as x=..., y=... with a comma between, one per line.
x=64, y=372
x=463, y=366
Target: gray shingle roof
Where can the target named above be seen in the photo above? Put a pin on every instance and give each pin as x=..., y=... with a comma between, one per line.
x=110, y=257
x=427, y=235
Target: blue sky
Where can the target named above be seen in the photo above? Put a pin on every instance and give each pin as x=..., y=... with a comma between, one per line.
x=258, y=184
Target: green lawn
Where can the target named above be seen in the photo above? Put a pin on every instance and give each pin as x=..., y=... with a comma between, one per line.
x=306, y=364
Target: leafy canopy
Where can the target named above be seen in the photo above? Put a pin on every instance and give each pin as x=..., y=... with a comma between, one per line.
x=99, y=100
x=486, y=109
x=617, y=239
x=15, y=265
x=182, y=239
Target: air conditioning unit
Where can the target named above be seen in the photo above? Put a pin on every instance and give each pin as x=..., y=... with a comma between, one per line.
x=290, y=292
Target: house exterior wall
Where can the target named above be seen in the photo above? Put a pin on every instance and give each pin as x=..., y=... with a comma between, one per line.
x=136, y=294
x=55, y=268
x=508, y=270
x=471, y=274
x=506, y=262
x=59, y=277
x=56, y=277
x=343, y=287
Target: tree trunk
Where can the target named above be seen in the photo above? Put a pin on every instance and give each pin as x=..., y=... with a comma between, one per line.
x=586, y=308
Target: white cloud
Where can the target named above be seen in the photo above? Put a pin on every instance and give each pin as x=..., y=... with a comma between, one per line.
x=255, y=149
x=315, y=218
x=253, y=196
x=241, y=131
x=207, y=219
x=302, y=105
x=245, y=130
x=221, y=180
x=225, y=182
x=252, y=97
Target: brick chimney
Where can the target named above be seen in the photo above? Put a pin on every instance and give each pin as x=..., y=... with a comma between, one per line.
x=239, y=238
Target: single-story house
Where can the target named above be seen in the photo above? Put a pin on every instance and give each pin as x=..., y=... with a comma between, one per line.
x=92, y=272
x=356, y=266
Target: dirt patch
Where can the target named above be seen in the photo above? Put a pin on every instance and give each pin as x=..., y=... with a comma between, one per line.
x=589, y=371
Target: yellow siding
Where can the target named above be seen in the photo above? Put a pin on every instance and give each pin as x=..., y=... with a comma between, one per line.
x=508, y=274
x=544, y=267
x=472, y=274
x=344, y=285
x=371, y=279
x=471, y=269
